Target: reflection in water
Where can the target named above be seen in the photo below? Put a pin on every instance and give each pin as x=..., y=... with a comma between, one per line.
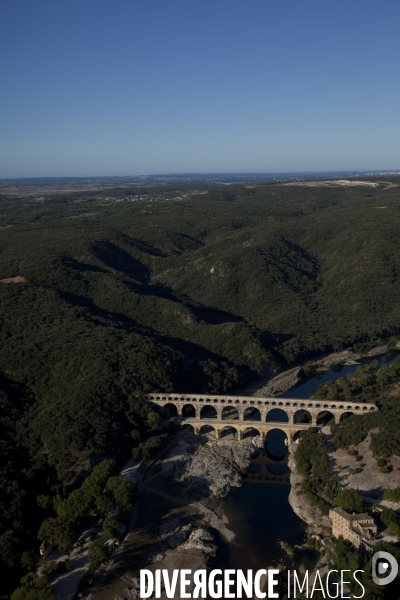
x=275, y=446
x=277, y=469
x=306, y=557
x=254, y=468
x=260, y=516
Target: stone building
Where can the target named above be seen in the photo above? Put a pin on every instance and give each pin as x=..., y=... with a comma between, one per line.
x=360, y=529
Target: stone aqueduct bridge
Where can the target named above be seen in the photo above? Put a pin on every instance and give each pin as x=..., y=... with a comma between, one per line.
x=238, y=412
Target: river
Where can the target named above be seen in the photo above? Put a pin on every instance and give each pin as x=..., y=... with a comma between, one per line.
x=260, y=515
x=308, y=388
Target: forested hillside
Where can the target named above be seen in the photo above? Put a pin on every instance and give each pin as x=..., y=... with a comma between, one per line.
x=170, y=288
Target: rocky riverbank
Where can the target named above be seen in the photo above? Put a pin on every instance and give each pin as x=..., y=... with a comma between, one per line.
x=277, y=382
x=177, y=515
x=301, y=506
x=281, y=383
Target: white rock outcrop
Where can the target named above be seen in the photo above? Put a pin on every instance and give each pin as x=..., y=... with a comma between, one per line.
x=217, y=464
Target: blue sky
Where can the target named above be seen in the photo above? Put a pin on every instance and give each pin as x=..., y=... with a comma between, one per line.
x=127, y=87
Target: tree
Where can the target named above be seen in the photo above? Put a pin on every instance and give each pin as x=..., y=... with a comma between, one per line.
x=111, y=528
x=153, y=420
x=350, y=500
x=60, y=532
x=34, y=587
x=98, y=552
x=391, y=519
x=27, y=561
x=123, y=493
x=45, y=502
x=135, y=435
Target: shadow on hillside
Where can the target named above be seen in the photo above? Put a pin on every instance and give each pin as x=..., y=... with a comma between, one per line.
x=192, y=364
x=118, y=259
x=183, y=242
x=142, y=246
x=72, y=263
x=292, y=265
x=211, y=316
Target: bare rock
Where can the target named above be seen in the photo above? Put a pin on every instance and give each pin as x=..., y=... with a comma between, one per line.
x=201, y=539
x=282, y=382
x=378, y=350
x=216, y=466
x=352, y=359
x=173, y=532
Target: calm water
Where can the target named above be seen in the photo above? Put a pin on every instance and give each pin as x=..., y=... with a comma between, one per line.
x=308, y=389
x=260, y=516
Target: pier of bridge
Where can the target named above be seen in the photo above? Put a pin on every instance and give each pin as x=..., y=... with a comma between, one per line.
x=201, y=409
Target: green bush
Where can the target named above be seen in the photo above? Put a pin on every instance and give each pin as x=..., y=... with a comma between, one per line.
x=350, y=500
x=34, y=587
x=110, y=528
x=98, y=553
x=387, y=469
x=27, y=561
x=50, y=568
x=392, y=495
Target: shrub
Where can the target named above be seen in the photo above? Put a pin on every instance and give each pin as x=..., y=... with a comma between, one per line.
x=50, y=568
x=387, y=469
x=392, y=495
x=350, y=500
x=111, y=528
x=98, y=553
x=27, y=561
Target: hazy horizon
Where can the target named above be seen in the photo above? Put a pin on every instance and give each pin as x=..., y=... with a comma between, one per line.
x=249, y=174
x=153, y=87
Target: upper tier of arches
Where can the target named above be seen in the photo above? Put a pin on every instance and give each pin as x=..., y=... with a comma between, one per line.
x=260, y=403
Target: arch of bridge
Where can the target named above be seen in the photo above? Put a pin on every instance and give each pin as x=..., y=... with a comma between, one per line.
x=245, y=425
x=241, y=403
x=239, y=429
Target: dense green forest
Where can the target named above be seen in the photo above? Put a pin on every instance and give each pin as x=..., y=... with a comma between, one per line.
x=126, y=291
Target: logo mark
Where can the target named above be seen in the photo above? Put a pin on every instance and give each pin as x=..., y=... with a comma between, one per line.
x=380, y=568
